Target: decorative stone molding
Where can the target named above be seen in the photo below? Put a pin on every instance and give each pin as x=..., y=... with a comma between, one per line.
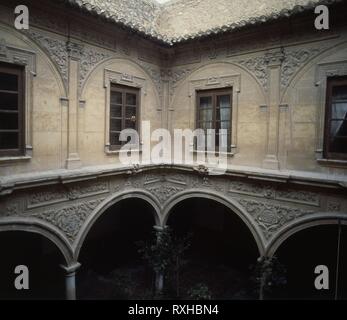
x=257, y=66
x=333, y=206
x=272, y=192
x=217, y=82
x=56, y=49
x=70, y=192
x=274, y=58
x=88, y=60
x=46, y=198
x=163, y=192
x=135, y=169
x=323, y=71
x=176, y=75
x=272, y=206
x=115, y=77
x=297, y=196
x=69, y=219
x=293, y=61
x=155, y=74
x=74, y=50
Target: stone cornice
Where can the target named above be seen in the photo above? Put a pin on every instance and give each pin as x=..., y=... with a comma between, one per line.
x=63, y=176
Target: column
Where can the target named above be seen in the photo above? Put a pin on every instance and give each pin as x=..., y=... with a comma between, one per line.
x=70, y=281
x=274, y=60
x=159, y=277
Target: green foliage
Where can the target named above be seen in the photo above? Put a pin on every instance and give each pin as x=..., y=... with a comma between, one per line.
x=269, y=273
x=199, y=292
x=165, y=254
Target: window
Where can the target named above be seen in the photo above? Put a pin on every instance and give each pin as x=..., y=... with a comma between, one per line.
x=124, y=112
x=11, y=110
x=214, y=111
x=336, y=119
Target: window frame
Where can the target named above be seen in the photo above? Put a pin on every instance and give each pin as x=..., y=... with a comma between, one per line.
x=331, y=82
x=19, y=71
x=214, y=93
x=124, y=90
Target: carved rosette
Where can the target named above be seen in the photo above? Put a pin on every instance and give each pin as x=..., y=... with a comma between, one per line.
x=272, y=217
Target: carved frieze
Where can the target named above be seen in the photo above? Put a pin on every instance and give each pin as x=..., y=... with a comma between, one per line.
x=271, y=192
x=87, y=190
x=44, y=198
x=73, y=192
x=304, y=197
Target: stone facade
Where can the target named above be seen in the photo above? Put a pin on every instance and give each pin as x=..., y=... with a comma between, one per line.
x=277, y=179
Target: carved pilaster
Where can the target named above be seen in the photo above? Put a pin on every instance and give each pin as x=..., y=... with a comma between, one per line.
x=274, y=61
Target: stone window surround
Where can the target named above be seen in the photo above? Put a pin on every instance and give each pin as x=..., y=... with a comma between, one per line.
x=26, y=58
x=323, y=71
x=115, y=77
x=212, y=83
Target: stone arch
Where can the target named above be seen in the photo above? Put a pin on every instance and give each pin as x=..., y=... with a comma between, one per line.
x=39, y=49
x=229, y=203
x=307, y=66
x=210, y=64
x=42, y=228
x=313, y=220
x=108, y=203
x=104, y=62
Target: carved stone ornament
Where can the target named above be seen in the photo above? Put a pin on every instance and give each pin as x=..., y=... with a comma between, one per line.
x=69, y=219
x=271, y=217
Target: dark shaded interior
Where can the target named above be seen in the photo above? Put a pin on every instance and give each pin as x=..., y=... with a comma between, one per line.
x=306, y=250
x=109, y=257
x=43, y=259
x=222, y=248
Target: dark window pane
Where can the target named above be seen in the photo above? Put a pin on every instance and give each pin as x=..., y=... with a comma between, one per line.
x=130, y=112
x=114, y=139
x=223, y=114
x=131, y=99
x=206, y=115
x=338, y=145
x=225, y=125
x=205, y=102
x=116, y=97
x=116, y=111
x=223, y=101
x=205, y=125
x=8, y=82
x=8, y=121
x=340, y=92
x=116, y=125
x=8, y=101
x=338, y=128
x=8, y=140
x=129, y=124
